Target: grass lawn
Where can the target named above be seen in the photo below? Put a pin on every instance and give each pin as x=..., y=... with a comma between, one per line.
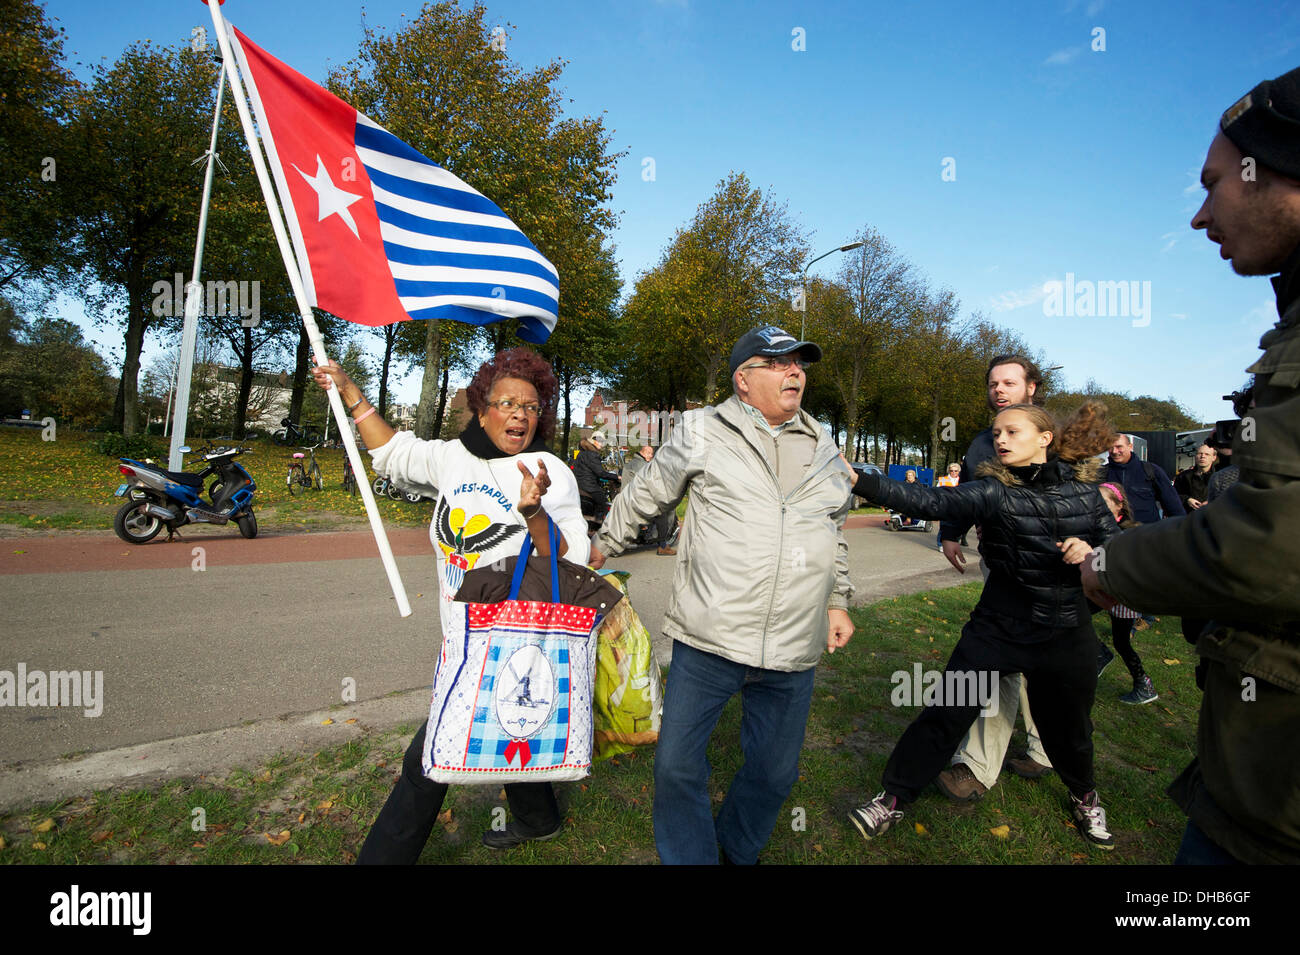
x=316, y=807
x=67, y=484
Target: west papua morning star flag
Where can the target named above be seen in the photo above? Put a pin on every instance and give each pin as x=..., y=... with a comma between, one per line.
x=381, y=233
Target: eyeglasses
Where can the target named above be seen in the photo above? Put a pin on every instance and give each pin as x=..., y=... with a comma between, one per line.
x=779, y=363
x=508, y=406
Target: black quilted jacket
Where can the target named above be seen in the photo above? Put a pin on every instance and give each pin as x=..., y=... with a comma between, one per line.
x=1023, y=513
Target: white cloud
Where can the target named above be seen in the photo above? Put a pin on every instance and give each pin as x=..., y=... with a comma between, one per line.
x=1062, y=57
x=1170, y=239
x=1018, y=298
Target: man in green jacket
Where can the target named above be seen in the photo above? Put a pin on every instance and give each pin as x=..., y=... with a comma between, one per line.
x=1236, y=560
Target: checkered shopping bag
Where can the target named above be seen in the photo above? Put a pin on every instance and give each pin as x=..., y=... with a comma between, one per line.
x=512, y=699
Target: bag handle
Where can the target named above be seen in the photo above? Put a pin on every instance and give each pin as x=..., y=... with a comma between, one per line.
x=522, y=562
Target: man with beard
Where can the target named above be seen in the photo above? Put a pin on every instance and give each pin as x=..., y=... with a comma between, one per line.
x=1237, y=562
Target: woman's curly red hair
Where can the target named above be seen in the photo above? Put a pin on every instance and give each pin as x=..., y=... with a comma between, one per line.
x=522, y=363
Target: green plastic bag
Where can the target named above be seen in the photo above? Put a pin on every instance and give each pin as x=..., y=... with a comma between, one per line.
x=629, y=688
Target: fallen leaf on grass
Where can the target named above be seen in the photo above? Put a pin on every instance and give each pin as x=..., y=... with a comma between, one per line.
x=1149, y=769
x=101, y=835
x=817, y=847
x=1077, y=855
x=45, y=826
x=198, y=845
x=2, y=842
x=265, y=777
x=1001, y=831
x=444, y=817
x=20, y=552
x=920, y=829
x=353, y=720
x=324, y=804
x=302, y=816
x=1172, y=662
x=326, y=722
x=279, y=840
x=39, y=845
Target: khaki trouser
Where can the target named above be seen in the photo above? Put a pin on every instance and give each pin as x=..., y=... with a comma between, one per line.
x=985, y=745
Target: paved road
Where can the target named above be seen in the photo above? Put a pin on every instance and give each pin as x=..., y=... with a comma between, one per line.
x=264, y=636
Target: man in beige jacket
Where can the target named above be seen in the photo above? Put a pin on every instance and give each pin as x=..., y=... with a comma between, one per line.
x=761, y=587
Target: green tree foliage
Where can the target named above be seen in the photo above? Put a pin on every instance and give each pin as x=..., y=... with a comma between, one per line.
x=1143, y=413
x=35, y=244
x=48, y=368
x=132, y=139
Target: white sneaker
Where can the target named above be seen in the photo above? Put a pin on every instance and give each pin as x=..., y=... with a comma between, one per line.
x=1090, y=820
x=876, y=816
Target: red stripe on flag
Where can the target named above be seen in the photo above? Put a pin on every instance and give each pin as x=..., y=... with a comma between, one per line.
x=314, y=133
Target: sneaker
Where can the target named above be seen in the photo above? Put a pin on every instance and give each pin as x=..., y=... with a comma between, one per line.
x=876, y=816
x=1143, y=692
x=1026, y=767
x=1104, y=659
x=509, y=837
x=1090, y=819
x=959, y=784
x=1140, y=624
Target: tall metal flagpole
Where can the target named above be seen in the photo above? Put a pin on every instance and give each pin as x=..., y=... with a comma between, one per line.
x=300, y=294
x=193, y=301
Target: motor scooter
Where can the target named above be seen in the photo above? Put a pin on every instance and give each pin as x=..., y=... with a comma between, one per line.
x=158, y=498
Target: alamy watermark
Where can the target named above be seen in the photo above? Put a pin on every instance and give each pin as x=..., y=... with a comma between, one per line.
x=1085, y=298
x=76, y=688
x=243, y=299
x=638, y=427
x=921, y=687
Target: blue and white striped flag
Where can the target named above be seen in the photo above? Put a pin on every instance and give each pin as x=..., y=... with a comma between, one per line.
x=383, y=234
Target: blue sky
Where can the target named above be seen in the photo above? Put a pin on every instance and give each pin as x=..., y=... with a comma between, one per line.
x=1064, y=160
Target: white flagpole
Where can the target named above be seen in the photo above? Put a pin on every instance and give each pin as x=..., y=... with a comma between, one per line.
x=193, y=301
x=300, y=294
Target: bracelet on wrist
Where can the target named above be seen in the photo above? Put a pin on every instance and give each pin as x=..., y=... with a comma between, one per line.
x=353, y=406
x=364, y=415
x=537, y=509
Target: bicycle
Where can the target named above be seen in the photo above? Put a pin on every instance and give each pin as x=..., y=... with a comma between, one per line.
x=301, y=475
x=384, y=486
x=349, y=477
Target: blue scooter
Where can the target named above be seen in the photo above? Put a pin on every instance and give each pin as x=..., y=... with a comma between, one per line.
x=158, y=498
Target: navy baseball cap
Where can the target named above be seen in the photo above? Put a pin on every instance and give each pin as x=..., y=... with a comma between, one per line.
x=770, y=341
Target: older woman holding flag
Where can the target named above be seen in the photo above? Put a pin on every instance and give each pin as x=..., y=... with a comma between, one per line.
x=492, y=484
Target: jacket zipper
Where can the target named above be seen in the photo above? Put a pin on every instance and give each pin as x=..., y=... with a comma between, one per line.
x=780, y=541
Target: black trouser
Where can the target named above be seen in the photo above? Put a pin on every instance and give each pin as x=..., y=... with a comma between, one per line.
x=403, y=826
x=664, y=525
x=1121, y=632
x=1061, y=675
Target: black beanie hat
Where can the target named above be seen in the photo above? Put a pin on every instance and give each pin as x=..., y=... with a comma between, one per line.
x=1265, y=124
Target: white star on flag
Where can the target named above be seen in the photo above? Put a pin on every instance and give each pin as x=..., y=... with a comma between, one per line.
x=332, y=199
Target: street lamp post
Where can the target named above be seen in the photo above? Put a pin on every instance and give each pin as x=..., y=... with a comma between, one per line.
x=804, y=287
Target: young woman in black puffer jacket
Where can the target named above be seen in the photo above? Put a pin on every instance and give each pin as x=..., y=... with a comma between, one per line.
x=1040, y=513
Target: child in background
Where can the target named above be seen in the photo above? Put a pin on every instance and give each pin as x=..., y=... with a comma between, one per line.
x=1121, y=617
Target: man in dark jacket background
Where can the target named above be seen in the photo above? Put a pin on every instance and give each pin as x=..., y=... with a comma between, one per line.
x=1143, y=491
x=1237, y=561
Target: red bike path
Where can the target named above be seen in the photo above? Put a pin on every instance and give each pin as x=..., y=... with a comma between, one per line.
x=63, y=553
